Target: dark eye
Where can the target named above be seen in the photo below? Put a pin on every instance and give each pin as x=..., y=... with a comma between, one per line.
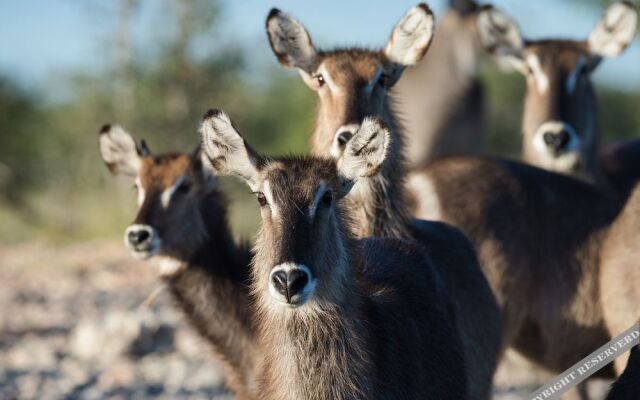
x=327, y=198
x=320, y=79
x=262, y=200
x=529, y=70
x=383, y=81
x=184, y=187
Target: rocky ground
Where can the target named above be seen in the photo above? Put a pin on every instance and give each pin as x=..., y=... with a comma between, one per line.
x=74, y=324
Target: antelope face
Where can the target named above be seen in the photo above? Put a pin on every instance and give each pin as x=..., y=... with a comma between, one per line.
x=170, y=189
x=558, y=123
x=301, y=255
x=351, y=83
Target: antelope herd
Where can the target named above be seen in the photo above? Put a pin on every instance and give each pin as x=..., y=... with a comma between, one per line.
x=395, y=262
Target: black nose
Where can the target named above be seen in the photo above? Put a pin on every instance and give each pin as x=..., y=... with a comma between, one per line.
x=556, y=140
x=344, y=137
x=289, y=283
x=139, y=236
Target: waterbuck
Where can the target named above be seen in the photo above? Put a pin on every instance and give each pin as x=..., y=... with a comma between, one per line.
x=538, y=236
x=620, y=271
x=559, y=124
x=339, y=318
x=351, y=85
x=441, y=99
x=182, y=223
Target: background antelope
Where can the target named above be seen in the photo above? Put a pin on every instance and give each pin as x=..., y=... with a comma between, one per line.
x=619, y=274
x=182, y=224
x=440, y=99
x=559, y=124
x=538, y=236
x=336, y=313
x=352, y=84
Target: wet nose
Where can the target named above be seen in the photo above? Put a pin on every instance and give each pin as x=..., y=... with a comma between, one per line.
x=343, y=138
x=557, y=140
x=139, y=235
x=289, y=283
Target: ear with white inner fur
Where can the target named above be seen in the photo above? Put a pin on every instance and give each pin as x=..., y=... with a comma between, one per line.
x=290, y=42
x=615, y=30
x=500, y=36
x=119, y=150
x=226, y=150
x=366, y=151
x=411, y=37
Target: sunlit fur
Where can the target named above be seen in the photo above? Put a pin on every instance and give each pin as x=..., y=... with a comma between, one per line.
x=620, y=272
x=208, y=272
x=539, y=237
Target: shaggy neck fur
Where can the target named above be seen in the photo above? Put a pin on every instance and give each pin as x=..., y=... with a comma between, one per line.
x=316, y=351
x=212, y=290
x=378, y=203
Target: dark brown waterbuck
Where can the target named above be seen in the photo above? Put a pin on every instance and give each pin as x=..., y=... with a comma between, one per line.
x=352, y=84
x=559, y=122
x=441, y=99
x=339, y=317
x=539, y=237
x=182, y=224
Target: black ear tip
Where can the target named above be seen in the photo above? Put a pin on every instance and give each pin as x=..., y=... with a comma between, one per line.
x=382, y=124
x=486, y=7
x=273, y=13
x=212, y=113
x=425, y=7
x=105, y=129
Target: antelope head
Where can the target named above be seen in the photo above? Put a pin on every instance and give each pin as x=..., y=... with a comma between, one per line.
x=302, y=247
x=171, y=189
x=559, y=124
x=351, y=83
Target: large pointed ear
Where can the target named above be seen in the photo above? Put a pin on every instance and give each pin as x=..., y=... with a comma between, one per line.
x=365, y=153
x=411, y=37
x=119, y=150
x=290, y=42
x=615, y=30
x=500, y=36
x=226, y=150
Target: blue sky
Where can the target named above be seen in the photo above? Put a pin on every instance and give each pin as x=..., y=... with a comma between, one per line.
x=40, y=38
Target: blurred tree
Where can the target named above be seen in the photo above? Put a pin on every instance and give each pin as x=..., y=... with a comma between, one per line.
x=51, y=174
x=20, y=119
